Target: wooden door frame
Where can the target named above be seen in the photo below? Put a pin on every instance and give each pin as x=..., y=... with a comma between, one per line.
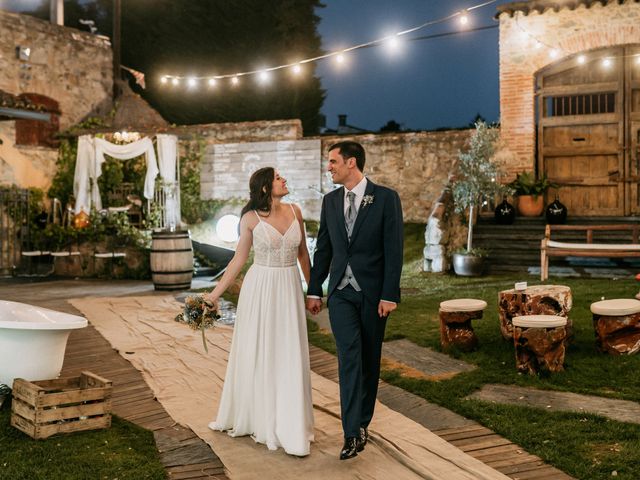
x=618, y=86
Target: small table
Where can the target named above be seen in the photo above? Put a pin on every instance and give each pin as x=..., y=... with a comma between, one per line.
x=455, y=322
x=534, y=300
x=617, y=325
x=539, y=341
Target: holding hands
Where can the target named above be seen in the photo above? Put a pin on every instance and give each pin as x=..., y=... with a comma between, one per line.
x=314, y=305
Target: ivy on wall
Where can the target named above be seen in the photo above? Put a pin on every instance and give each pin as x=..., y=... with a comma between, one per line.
x=194, y=209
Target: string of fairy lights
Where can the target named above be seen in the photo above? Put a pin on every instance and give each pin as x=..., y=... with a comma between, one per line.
x=554, y=52
x=340, y=57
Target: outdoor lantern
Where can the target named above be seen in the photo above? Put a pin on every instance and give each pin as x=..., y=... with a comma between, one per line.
x=23, y=53
x=556, y=212
x=505, y=213
x=227, y=228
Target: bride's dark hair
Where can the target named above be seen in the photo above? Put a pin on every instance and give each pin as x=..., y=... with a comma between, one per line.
x=260, y=185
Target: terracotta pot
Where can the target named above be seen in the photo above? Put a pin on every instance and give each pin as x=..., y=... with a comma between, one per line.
x=530, y=206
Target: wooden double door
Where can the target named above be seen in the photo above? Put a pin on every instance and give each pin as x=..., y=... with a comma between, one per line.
x=588, y=112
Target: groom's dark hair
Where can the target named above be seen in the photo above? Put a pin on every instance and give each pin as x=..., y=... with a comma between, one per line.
x=350, y=149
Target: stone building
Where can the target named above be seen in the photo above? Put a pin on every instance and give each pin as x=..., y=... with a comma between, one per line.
x=65, y=73
x=570, y=98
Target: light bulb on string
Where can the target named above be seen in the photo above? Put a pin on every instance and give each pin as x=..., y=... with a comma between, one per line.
x=164, y=79
x=340, y=58
x=638, y=59
x=581, y=59
x=263, y=76
x=297, y=68
x=175, y=81
x=607, y=62
x=464, y=18
x=235, y=80
x=553, y=53
x=192, y=82
x=212, y=82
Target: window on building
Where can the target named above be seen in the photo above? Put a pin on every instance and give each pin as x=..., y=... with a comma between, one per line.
x=582, y=104
x=37, y=132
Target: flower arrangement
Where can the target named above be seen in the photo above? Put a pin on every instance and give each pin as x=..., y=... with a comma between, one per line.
x=199, y=315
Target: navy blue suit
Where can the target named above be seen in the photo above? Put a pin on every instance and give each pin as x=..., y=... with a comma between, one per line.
x=374, y=253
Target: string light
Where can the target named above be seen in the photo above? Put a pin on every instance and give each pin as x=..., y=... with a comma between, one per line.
x=581, y=59
x=607, y=62
x=263, y=76
x=212, y=82
x=338, y=56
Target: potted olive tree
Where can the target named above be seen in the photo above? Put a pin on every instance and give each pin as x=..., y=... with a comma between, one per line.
x=476, y=177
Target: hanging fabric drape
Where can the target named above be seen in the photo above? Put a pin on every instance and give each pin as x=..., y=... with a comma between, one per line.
x=167, y=155
x=84, y=172
x=90, y=157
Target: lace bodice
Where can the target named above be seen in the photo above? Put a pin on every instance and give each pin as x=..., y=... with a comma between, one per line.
x=272, y=249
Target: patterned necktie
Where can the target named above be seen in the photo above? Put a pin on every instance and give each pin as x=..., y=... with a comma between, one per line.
x=350, y=218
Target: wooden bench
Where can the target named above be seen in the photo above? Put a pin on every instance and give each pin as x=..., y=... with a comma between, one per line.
x=552, y=248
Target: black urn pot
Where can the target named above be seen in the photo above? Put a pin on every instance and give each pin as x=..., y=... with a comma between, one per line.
x=556, y=212
x=505, y=213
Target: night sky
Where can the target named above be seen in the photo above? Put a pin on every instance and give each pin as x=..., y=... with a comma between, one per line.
x=427, y=84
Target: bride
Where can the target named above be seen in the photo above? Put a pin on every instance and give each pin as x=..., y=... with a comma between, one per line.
x=267, y=388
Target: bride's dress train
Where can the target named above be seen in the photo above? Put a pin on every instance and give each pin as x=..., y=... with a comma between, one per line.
x=267, y=387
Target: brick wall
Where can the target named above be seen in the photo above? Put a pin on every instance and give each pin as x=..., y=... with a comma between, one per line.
x=568, y=31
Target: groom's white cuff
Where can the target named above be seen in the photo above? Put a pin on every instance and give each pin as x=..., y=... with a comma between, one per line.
x=382, y=300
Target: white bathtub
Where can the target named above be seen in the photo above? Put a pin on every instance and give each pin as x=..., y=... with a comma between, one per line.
x=33, y=341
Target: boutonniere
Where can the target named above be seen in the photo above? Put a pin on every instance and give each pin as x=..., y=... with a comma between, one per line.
x=367, y=200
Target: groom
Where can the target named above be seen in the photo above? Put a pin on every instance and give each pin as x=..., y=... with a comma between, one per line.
x=360, y=245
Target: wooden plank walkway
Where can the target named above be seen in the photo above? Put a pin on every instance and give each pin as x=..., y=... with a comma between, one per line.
x=469, y=436
x=183, y=454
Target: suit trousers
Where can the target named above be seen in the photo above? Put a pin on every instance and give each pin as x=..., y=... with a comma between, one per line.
x=359, y=332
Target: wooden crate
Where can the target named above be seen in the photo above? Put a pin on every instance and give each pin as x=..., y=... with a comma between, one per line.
x=47, y=407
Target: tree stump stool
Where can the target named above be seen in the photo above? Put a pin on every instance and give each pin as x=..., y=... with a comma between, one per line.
x=455, y=322
x=535, y=300
x=539, y=342
x=617, y=325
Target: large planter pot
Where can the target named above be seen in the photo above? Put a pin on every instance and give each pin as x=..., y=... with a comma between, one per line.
x=468, y=265
x=530, y=205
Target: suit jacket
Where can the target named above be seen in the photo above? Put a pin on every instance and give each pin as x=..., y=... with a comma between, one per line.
x=375, y=249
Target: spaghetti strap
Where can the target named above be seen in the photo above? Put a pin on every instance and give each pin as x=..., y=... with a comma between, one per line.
x=259, y=219
x=294, y=211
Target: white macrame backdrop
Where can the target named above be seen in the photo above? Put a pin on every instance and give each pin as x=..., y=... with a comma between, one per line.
x=90, y=157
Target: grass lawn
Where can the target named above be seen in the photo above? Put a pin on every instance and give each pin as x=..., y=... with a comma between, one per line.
x=124, y=451
x=585, y=446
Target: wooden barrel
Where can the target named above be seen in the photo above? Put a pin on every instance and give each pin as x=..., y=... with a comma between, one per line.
x=171, y=260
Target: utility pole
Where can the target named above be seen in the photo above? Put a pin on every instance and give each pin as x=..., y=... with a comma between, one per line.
x=117, y=76
x=56, y=12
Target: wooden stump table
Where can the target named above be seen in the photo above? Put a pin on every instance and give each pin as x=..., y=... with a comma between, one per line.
x=455, y=322
x=539, y=342
x=535, y=300
x=617, y=325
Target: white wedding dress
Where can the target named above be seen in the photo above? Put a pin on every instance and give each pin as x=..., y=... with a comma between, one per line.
x=267, y=387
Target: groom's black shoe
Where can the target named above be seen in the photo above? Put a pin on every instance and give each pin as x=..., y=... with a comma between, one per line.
x=362, y=439
x=350, y=448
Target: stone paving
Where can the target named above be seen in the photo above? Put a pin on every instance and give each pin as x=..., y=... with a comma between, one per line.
x=620, y=410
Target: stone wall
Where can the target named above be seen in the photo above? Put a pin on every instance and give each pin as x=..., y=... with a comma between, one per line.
x=72, y=67
x=568, y=31
x=416, y=164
